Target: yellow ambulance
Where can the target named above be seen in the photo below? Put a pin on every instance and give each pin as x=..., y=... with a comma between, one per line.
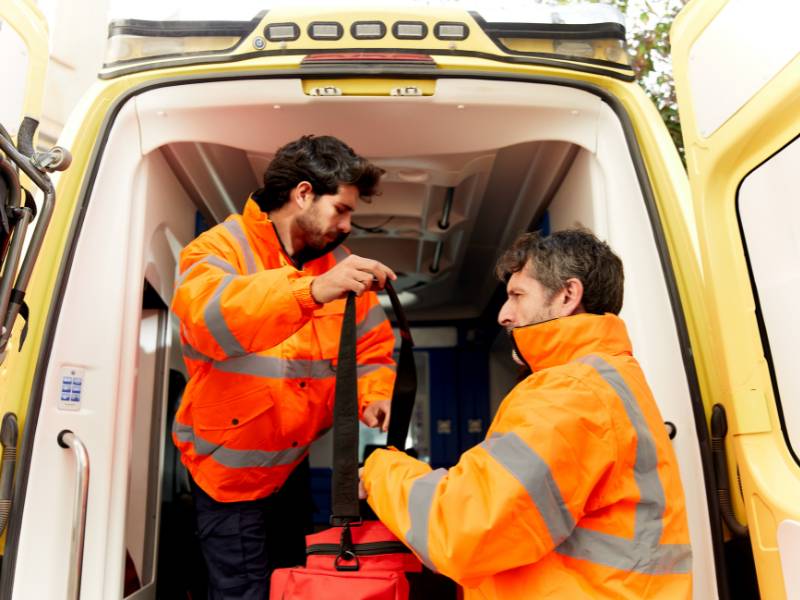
x=488, y=123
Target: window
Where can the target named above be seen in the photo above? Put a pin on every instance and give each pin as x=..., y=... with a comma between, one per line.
x=769, y=213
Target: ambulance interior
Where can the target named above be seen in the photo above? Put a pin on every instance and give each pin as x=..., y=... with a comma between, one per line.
x=467, y=170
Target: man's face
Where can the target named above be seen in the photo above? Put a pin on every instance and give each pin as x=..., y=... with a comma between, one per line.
x=528, y=301
x=327, y=218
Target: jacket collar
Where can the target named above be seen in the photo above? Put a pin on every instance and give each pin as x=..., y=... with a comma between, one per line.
x=259, y=224
x=560, y=341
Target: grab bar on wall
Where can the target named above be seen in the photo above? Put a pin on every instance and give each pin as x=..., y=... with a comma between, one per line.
x=68, y=440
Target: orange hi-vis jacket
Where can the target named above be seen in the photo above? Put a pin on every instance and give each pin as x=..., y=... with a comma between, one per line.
x=575, y=493
x=261, y=356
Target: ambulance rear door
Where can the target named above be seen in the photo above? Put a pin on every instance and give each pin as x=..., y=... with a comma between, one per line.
x=737, y=73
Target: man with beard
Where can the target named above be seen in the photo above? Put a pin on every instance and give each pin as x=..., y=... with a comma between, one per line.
x=260, y=303
x=575, y=493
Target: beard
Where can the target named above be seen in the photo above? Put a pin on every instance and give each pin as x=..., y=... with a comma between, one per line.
x=316, y=235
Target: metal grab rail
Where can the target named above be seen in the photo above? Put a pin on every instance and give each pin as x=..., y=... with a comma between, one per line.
x=67, y=439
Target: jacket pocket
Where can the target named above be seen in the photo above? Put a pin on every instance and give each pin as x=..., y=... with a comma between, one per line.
x=235, y=413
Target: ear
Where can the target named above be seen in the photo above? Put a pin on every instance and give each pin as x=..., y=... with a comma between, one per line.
x=570, y=298
x=303, y=194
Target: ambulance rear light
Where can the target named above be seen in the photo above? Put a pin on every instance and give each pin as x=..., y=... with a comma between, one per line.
x=336, y=58
x=368, y=30
x=451, y=31
x=136, y=39
x=282, y=32
x=325, y=31
x=574, y=48
x=410, y=30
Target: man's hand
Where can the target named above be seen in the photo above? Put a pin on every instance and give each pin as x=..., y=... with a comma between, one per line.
x=353, y=274
x=377, y=414
x=362, y=491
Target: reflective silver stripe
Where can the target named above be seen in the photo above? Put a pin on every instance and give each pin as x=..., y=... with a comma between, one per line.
x=375, y=317
x=184, y=433
x=626, y=554
x=339, y=254
x=277, y=368
x=419, y=511
x=362, y=370
x=211, y=260
x=235, y=229
x=643, y=553
x=534, y=475
x=237, y=459
x=190, y=352
x=650, y=510
x=215, y=322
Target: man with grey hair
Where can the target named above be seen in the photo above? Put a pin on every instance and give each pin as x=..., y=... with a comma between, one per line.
x=575, y=493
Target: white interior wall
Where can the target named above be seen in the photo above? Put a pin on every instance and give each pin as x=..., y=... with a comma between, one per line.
x=100, y=334
x=143, y=418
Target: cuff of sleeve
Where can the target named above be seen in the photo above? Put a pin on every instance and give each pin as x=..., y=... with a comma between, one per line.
x=373, y=462
x=365, y=400
x=301, y=289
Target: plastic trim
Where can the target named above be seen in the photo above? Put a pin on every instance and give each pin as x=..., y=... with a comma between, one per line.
x=551, y=60
x=145, y=28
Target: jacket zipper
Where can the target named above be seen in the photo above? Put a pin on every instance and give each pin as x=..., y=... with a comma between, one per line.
x=365, y=549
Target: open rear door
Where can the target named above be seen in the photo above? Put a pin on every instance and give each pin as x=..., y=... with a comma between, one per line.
x=737, y=71
x=24, y=52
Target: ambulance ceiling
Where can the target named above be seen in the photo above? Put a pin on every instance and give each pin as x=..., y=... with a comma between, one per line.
x=467, y=169
x=440, y=221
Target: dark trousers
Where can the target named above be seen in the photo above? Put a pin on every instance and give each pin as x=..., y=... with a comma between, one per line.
x=243, y=542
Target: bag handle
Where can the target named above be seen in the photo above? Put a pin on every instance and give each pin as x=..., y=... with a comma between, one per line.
x=344, y=488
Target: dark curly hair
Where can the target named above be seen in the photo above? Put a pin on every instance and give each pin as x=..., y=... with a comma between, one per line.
x=555, y=258
x=324, y=161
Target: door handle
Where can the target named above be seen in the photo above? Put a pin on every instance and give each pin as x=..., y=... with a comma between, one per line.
x=68, y=440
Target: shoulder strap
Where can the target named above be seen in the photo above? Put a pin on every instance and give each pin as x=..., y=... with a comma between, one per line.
x=344, y=489
x=405, y=385
x=344, y=486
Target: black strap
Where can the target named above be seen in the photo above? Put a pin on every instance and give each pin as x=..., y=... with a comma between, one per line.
x=405, y=385
x=344, y=488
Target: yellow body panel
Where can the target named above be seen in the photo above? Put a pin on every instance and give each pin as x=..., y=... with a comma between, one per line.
x=731, y=350
x=29, y=23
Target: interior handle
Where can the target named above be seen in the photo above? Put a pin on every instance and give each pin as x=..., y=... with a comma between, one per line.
x=68, y=440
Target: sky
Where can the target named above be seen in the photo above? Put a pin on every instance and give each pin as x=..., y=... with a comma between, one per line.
x=246, y=9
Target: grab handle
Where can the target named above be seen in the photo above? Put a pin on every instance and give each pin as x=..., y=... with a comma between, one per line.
x=67, y=439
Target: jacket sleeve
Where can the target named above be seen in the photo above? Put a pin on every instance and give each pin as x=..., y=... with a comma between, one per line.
x=510, y=500
x=374, y=348
x=225, y=313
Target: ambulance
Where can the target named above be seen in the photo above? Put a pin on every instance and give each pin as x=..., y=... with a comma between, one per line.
x=488, y=124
